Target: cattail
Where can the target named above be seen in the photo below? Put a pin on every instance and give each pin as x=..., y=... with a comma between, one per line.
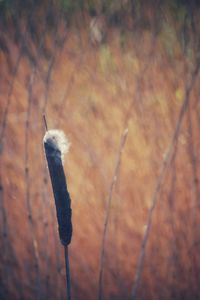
x=56, y=145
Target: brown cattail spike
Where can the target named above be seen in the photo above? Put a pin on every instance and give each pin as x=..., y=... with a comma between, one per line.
x=56, y=145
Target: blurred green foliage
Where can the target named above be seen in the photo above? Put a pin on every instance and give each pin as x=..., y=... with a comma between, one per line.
x=168, y=38
x=178, y=8
x=106, y=59
x=179, y=94
x=67, y=5
x=6, y=8
x=176, y=21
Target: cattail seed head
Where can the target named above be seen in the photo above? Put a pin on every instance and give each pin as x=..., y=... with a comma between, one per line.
x=56, y=145
x=57, y=142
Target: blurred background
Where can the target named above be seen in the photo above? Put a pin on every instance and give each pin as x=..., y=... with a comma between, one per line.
x=95, y=69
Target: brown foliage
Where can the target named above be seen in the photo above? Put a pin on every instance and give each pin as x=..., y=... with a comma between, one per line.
x=135, y=80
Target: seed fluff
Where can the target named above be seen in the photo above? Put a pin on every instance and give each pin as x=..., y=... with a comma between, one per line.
x=58, y=142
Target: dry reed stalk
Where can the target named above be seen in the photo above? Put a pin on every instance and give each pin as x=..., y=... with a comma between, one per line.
x=7, y=250
x=51, y=64
x=194, y=191
x=27, y=171
x=11, y=83
x=109, y=200
x=56, y=145
x=163, y=170
x=8, y=101
x=45, y=175
x=193, y=157
x=68, y=90
x=4, y=235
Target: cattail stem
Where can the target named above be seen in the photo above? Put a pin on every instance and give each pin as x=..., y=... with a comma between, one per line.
x=163, y=171
x=45, y=122
x=107, y=215
x=67, y=268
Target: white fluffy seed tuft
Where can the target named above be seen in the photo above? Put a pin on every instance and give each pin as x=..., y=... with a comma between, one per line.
x=58, y=141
